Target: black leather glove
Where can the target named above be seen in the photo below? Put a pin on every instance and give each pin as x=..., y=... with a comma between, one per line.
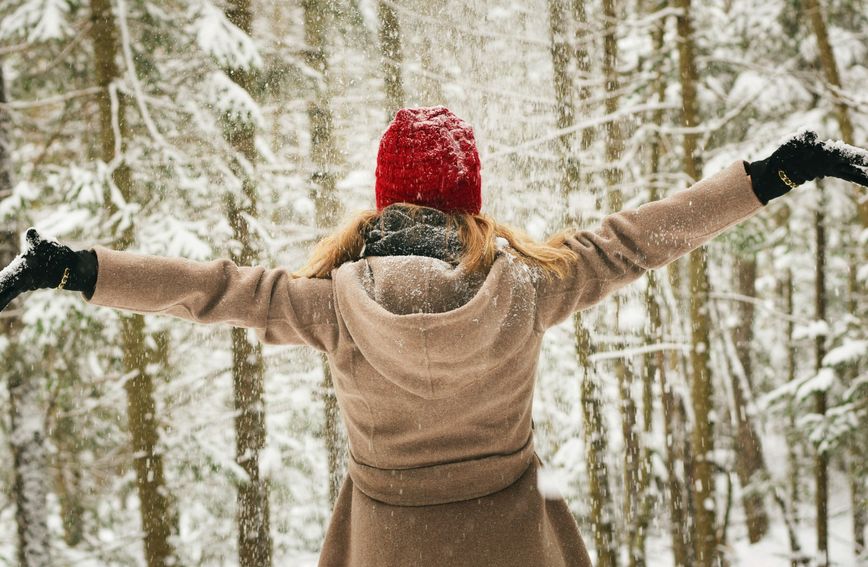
x=803, y=158
x=45, y=264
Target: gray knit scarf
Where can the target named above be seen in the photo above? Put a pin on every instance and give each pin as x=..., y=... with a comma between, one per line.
x=398, y=233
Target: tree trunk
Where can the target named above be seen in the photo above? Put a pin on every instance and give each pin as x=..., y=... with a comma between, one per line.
x=248, y=369
x=842, y=114
x=654, y=362
x=794, y=436
x=602, y=508
x=583, y=42
x=596, y=448
x=29, y=458
x=67, y=468
x=614, y=148
x=602, y=505
x=749, y=462
x=563, y=85
x=678, y=513
x=821, y=458
x=328, y=209
x=392, y=58
x=830, y=69
x=857, y=446
x=431, y=83
x=858, y=493
x=653, y=365
x=26, y=411
x=158, y=521
x=701, y=385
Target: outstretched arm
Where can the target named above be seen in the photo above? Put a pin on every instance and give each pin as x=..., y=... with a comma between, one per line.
x=281, y=308
x=630, y=242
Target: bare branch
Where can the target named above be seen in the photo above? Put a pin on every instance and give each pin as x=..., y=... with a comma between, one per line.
x=49, y=101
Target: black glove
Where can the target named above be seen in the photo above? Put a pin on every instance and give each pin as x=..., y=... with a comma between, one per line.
x=46, y=264
x=803, y=158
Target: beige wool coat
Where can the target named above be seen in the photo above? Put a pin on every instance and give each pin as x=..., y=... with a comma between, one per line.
x=434, y=373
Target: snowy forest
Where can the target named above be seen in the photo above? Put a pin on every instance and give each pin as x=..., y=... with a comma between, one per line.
x=713, y=413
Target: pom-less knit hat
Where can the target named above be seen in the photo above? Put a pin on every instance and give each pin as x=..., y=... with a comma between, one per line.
x=428, y=157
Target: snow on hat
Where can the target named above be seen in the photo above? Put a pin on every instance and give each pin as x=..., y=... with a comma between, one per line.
x=428, y=157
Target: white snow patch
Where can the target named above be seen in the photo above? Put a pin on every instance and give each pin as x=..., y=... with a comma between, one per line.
x=22, y=194
x=850, y=351
x=633, y=317
x=232, y=100
x=13, y=269
x=857, y=155
x=819, y=383
x=304, y=206
x=356, y=179
x=38, y=20
x=224, y=41
x=551, y=483
x=800, y=135
x=811, y=330
x=270, y=463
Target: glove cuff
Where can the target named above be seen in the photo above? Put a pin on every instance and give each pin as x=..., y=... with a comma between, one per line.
x=82, y=273
x=766, y=181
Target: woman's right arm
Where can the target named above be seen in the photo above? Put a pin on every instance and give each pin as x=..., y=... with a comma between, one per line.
x=283, y=309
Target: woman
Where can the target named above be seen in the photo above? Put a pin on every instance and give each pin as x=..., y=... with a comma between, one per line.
x=432, y=316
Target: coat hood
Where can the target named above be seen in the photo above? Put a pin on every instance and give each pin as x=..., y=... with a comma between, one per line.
x=462, y=321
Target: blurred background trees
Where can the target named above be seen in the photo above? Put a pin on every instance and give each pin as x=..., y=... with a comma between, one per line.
x=718, y=403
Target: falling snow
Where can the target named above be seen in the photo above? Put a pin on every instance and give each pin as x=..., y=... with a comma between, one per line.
x=269, y=134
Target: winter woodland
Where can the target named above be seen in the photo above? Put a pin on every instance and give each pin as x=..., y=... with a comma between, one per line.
x=718, y=405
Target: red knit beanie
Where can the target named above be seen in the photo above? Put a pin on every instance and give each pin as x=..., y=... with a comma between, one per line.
x=428, y=157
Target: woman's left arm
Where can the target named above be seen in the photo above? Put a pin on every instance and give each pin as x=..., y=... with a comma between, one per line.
x=283, y=309
x=633, y=241
x=630, y=242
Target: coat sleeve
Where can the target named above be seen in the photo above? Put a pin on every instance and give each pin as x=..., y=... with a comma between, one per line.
x=630, y=242
x=282, y=309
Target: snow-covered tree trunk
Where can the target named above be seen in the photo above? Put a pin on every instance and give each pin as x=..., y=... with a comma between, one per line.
x=702, y=481
x=328, y=208
x=614, y=142
x=821, y=457
x=252, y=513
x=832, y=75
x=431, y=82
x=654, y=363
x=392, y=57
x=596, y=452
x=596, y=445
x=749, y=461
x=563, y=87
x=67, y=474
x=27, y=436
x=789, y=500
x=583, y=40
x=26, y=410
x=155, y=503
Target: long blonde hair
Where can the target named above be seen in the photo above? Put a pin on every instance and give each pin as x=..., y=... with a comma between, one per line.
x=477, y=232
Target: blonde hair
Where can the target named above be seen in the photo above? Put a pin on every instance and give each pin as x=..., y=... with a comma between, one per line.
x=476, y=232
